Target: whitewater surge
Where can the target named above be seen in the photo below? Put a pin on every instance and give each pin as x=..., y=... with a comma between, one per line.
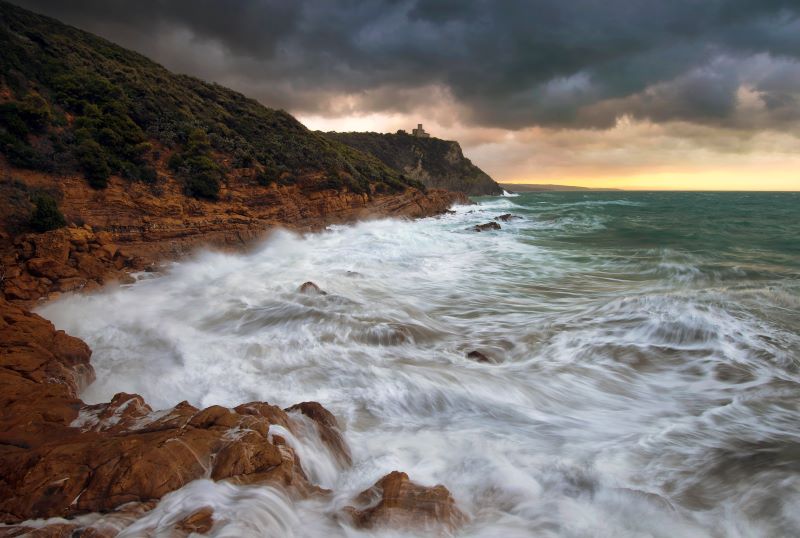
x=644, y=377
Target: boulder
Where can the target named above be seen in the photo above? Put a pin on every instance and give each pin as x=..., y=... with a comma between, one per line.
x=328, y=429
x=397, y=502
x=485, y=227
x=50, y=268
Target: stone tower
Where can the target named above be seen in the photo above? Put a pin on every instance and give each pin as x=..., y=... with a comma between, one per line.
x=419, y=132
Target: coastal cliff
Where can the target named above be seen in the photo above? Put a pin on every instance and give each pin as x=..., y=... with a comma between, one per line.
x=109, y=164
x=436, y=163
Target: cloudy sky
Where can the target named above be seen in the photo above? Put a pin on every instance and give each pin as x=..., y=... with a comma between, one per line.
x=621, y=93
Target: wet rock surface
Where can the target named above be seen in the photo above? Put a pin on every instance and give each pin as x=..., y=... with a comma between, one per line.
x=61, y=457
x=507, y=217
x=485, y=227
x=309, y=288
x=477, y=356
x=397, y=502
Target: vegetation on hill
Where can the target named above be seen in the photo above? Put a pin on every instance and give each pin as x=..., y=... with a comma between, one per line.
x=435, y=162
x=71, y=101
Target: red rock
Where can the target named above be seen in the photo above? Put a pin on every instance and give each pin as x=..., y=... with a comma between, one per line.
x=328, y=429
x=48, y=268
x=397, y=502
x=199, y=521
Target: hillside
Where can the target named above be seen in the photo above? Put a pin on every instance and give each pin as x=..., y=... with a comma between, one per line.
x=73, y=102
x=437, y=163
x=98, y=141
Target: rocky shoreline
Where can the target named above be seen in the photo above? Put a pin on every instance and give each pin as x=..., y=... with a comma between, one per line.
x=110, y=463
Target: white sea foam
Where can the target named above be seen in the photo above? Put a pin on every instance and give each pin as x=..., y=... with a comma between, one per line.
x=623, y=401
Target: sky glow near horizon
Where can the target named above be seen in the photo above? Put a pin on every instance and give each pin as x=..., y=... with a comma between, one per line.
x=625, y=93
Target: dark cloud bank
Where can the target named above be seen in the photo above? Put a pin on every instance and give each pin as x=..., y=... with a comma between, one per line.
x=510, y=64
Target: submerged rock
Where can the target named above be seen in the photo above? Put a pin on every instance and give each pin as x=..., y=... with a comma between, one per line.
x=395, y=501
x=507, y=217
x=477, y=356
x=199, y=522
x=485, y=227
x=310, y=288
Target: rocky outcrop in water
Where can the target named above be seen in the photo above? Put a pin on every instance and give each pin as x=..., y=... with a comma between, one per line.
x=61, y=457
x=486, y=227
x=507, y=217
x=397, y=502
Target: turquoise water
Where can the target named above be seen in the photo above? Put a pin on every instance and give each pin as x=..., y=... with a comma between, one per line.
x=644, y=376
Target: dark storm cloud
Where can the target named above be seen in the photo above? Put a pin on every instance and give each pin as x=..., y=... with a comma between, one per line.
x=570, y=63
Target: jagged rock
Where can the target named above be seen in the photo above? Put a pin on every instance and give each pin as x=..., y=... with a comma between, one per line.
x=49, y=268
x=485, y=227
x=477, y=356
x=397, y=502
x=310, y=288
x=507, y=217
x=328, y=429
x=107, y=455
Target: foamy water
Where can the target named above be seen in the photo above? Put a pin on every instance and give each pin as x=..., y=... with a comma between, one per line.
x=644, y=384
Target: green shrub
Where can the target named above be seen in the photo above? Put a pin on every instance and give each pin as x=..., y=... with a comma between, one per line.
x=94, y=164
x=46, y=215
x=202, y=185
x=201, y=174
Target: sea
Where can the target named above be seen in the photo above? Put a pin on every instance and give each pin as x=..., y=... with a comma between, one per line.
x=643, y=372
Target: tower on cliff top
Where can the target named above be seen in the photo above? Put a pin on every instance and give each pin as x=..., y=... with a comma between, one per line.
x=419, y=132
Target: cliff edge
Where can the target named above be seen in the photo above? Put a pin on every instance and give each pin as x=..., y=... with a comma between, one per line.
x=436, y=163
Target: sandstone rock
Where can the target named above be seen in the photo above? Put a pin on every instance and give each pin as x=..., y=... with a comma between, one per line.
x=107, y=455
x=310, y=288
x=485, y=227
x=328, y=429
x=49, y=268
x=53, y=245
x=90, y=266
x=199, y=521
x=397, y=502
x=70, y=284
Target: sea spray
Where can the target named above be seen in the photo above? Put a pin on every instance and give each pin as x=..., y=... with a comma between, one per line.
x=643, y=376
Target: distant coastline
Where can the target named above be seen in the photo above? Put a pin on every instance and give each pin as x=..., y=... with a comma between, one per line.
x=537, y=187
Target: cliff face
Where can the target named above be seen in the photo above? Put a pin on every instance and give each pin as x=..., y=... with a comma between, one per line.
x=438, y=164
x=127, y=227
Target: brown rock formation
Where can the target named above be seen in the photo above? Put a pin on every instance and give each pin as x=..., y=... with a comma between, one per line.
x=507, y=217
x=60, y=457
x=485, y=227
x=310, y=288
x=128, y=226
x=395, y=501
x=199, y=521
